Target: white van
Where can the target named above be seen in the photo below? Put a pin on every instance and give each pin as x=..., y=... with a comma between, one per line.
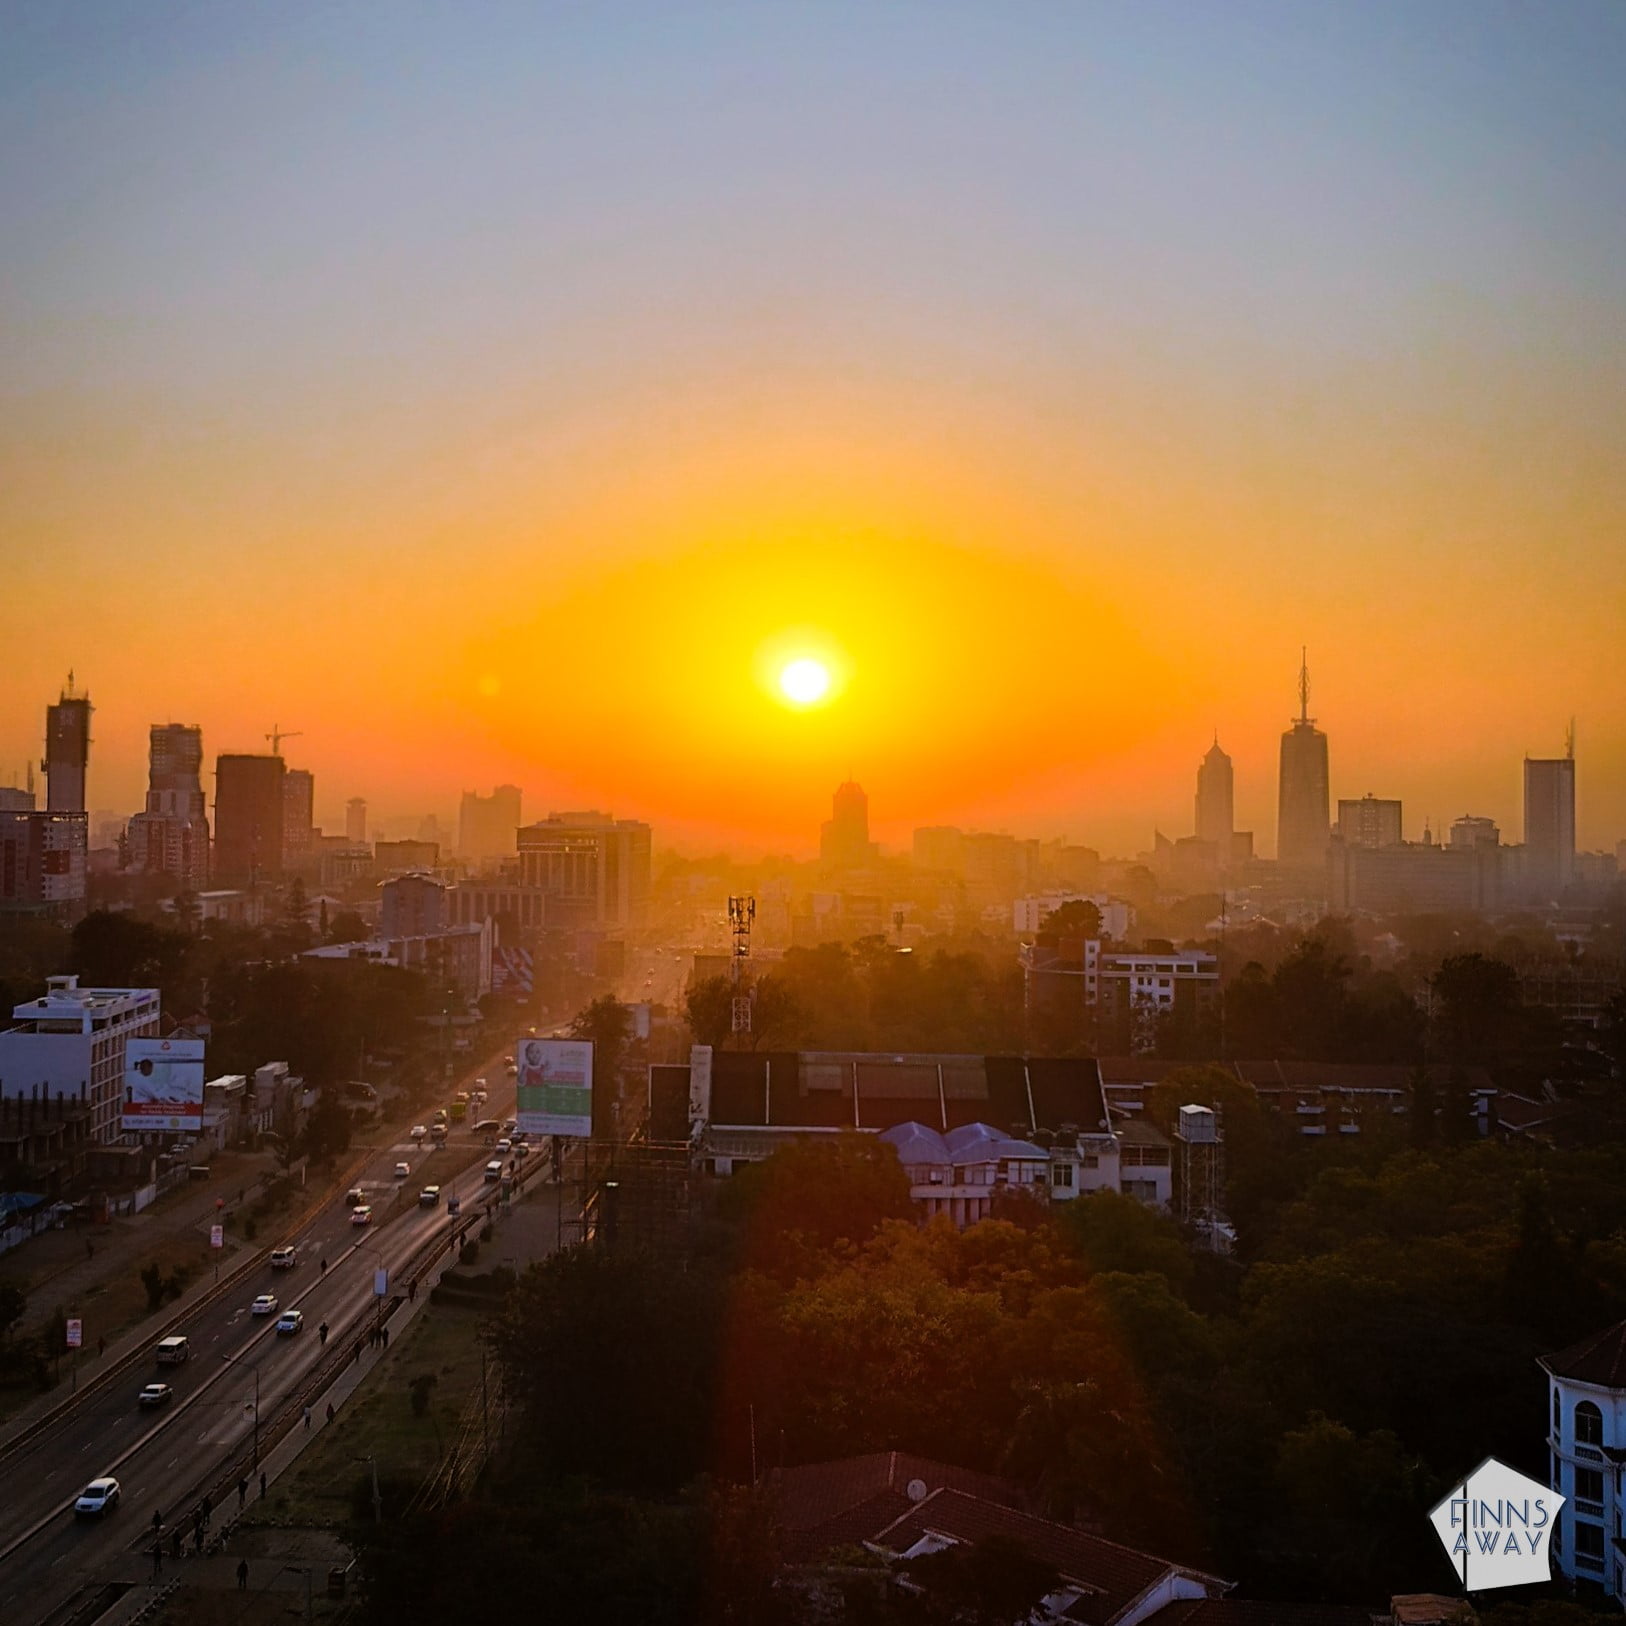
x=494, y=1170
x=172, y=1351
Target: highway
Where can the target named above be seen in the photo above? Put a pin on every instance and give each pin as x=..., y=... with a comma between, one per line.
x=165, y=1458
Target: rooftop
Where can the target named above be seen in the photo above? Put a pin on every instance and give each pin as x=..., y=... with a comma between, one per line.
x=1599, y=1359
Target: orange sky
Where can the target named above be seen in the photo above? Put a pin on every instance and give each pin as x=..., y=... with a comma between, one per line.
x=504, y=408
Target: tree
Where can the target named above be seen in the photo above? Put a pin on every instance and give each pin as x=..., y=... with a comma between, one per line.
x=1475, y=1008
x=1078, y=917
x=708, y=1008
x=994, y=1582
x=347, y=927
x=13, y=1304
x=1113, y=1233
x=607, y=1024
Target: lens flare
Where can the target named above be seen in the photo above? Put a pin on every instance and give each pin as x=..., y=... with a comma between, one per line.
x=804, y=682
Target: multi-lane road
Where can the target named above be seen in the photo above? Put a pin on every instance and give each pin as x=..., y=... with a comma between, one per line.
x=165, y=1458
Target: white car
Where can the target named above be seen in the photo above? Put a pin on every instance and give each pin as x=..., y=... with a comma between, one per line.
x=98, y=1497
x=505, y=1145
x=265, y=1304
x=155, y=1394
x=419, y=1131
x=284, y=1258
x=402, y=1170
x=362, y=1215
x=429, y=1197
x=290, y=1321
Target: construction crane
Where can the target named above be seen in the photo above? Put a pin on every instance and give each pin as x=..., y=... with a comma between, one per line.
x=277, y=736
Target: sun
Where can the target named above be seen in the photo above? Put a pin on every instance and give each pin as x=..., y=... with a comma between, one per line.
x=804, y=682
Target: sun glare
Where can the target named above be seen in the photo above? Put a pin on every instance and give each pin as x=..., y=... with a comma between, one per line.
x=804, y=681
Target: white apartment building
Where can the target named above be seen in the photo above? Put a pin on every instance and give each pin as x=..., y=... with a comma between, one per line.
x=71, y=1043
x=1587, y=1446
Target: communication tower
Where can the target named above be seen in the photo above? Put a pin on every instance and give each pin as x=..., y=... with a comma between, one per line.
x=741, y=912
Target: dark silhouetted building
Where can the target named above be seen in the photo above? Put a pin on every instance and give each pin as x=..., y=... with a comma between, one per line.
x=67, y=751
x=171, y=836
x=1216, y=800
x=1301, y=820
x=1549, y=825
x=355, y=820
x=487, y=826
x=590, y=870
x=248, y=819
x=844, y=837
x=1370, y=822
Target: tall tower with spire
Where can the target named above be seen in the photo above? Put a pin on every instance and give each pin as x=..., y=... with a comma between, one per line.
x=1216, y=801
x=1303, y=806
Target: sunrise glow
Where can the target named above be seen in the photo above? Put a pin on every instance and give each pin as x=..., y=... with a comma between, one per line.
x=805, y=682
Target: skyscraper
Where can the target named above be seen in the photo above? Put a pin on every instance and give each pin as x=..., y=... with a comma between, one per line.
x=1302, y=803
x=298, y=816
x=67, y=751
x=1216, y=809
x=844, y=837
x=248, y=819
x=486, y=824
x=355, y=820
x=1549, y=823
x=171, y=837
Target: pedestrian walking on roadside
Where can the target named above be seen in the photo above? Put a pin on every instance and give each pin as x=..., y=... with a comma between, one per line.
x=412, y=1292
x=330, y=1411
x=157, y=1521
x=242, y=1575
x=385, y=1334
x=157, y=1559
x=197, y=1539
x=175, y=1544
x=358, y=1351
x=262, y=1484
x=206, y=1509
x=242, y=1492
x=307, y=1419
x=321, y=1332
x=101, y=1346
x=324, y=1267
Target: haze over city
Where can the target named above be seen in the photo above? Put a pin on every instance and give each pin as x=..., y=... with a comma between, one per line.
x=500, y=404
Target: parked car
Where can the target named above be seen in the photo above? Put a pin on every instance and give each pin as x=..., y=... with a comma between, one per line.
x=402, y=1170
x=290, y=1321
x=265, y=1304
x=362, y=1215
x=155, y=1394
x=98, y=1497
x=429, y=1197
x=284, y=1258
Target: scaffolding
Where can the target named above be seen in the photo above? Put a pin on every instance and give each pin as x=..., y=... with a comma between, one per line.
x=1201, y=1137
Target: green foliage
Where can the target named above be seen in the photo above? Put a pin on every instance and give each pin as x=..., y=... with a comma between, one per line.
x=1078, y=917
x=708, y=1008
x=152, y=1278
x=13, y=1306
x=420, y=1389
x=993, y=1582
x=1113, y=1233
x=327, y=1130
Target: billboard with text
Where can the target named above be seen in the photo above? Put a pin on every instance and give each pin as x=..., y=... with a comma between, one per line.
x=163, y=1086
x=555, y=1093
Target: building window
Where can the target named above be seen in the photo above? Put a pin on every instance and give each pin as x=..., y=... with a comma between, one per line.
x=1558, y=1416
x=1588, y=1424
x=1062, y=1176
x=1589, y=1491
x=1588, y=1545
x=1091, y=1161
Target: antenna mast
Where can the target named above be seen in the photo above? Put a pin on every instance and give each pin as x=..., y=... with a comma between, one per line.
x=1304, y=683
x=741, y=912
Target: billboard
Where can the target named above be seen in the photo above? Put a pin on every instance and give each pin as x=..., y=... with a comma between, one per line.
x=163, y=1086
x=555, y=1093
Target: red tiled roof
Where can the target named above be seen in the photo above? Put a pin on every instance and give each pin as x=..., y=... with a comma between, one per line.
x=1115, y=1575
x=1599, y=1359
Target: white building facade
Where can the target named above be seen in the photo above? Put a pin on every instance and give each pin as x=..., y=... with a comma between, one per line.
x=71, y=1043
x=1587, y=1455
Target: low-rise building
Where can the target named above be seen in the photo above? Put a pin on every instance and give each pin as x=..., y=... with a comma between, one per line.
x=44, y=860
x=69, y=1044
x=460, y=956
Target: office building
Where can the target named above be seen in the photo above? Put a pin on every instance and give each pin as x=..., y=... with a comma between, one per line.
x=1414, y=877
x=1472, y=831
x=487, y=825
x=355, y=820
x=1216, y=810
x=248, y=819
x=403, y=857
x=1370, y=822
x=171, y=835
x=939, y=847
x=591, y=870
x=413, y=906
x=43, y=863
x=844, y=837
x=1302, y=804
x=298, y=817
x=71, y=1043
x=67, y=751
x=1549, y=825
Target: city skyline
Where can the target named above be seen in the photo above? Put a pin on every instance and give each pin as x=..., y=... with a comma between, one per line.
x=1054, y=416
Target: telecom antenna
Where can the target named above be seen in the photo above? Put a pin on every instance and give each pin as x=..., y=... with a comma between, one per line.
x=741, y=912
x=1304, y=683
